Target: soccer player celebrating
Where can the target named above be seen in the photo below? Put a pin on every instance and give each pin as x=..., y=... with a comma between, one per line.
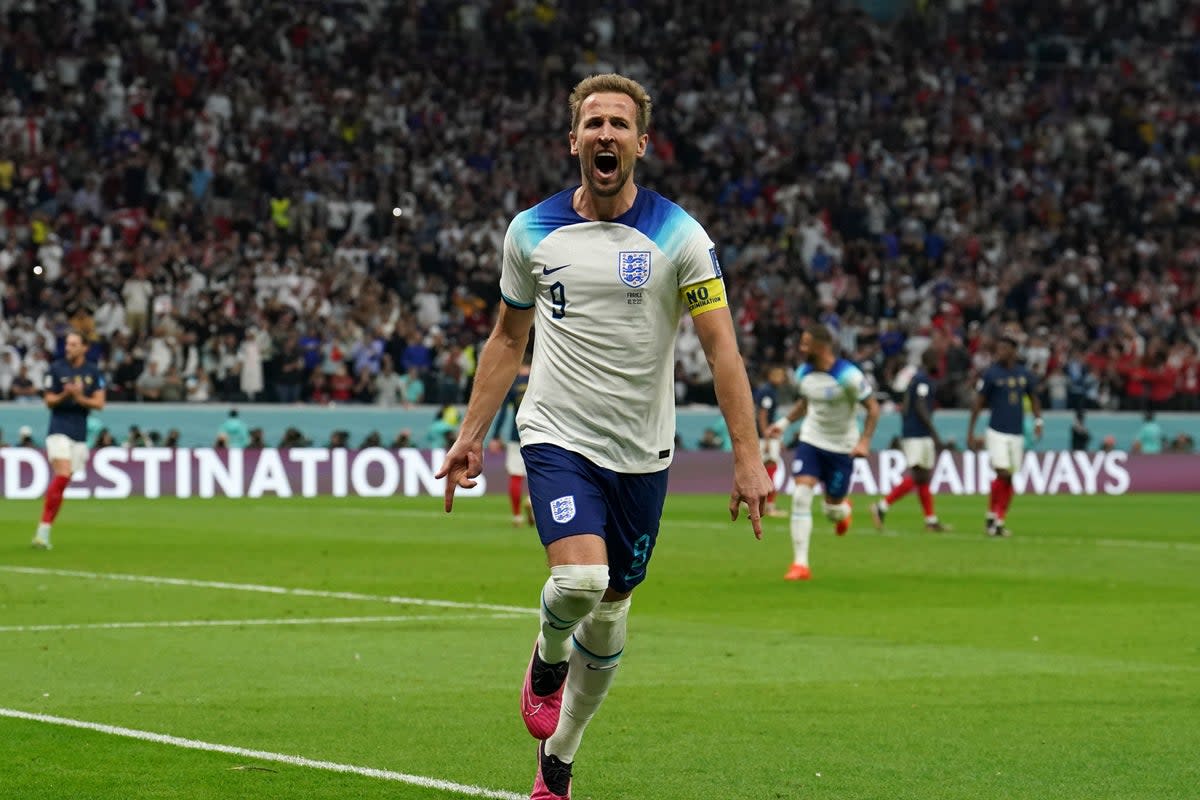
x=73, y=388
x=766, y=398
x=606, y=270
x=831, y=390
x=510, y=443
x=920, y=442
x=1002, y=390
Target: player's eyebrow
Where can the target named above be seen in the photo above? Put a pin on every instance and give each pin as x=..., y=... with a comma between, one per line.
x=616, y=116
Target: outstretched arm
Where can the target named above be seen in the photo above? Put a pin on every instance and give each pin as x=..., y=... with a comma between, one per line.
x=1036, y=405
x=926, y=420
x=976, y=408
x=498, y=365
x=750, y=483
x=799, y=410
x=863, y=448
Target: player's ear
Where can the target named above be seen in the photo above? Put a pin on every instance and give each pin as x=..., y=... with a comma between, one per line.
x=643, y=140
x=574, y=143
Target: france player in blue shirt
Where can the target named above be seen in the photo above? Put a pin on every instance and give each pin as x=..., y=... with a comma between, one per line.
x=73, y=388
x=1003, y=389
x=766, y=402
x=507, y=439
x=920, y=442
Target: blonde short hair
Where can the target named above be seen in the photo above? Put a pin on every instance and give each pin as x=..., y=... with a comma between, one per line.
x=611, y=82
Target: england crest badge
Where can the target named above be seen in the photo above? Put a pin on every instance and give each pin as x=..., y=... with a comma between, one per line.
x=563, y=509
x=634, y=267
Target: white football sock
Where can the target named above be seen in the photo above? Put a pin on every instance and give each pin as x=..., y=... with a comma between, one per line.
x=802, y=522
x=569, y=595
x=598, y=644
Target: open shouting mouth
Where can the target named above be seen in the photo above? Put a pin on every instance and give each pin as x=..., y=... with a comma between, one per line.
x=606, y=164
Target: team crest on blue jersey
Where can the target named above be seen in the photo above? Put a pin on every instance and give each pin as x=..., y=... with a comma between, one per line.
x=563, y=509
x=634, y=267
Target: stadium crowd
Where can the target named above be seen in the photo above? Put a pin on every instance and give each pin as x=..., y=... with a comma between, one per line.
x=306, y=202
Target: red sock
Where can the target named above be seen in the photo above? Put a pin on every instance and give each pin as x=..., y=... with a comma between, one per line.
x=902, y=488
x=926, y=495
x=514, y=494
x=995, y=499
x=1006, y=498
x=54, y=497
x=771, y=467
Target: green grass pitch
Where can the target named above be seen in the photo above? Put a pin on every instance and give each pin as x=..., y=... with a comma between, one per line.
x=1062, y=663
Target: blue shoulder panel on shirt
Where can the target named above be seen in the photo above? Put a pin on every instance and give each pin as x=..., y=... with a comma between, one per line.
x=662, y=222
x=533, y=225
x=840, y=369
x=802, y=370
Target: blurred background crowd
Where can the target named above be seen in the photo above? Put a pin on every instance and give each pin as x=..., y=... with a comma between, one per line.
x=305, y=202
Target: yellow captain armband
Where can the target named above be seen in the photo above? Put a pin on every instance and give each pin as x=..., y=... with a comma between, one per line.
x=704, y=296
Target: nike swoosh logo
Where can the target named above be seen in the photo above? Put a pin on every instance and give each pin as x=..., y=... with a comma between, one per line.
x=590, y=665
x=548, y=271
x=534, y=709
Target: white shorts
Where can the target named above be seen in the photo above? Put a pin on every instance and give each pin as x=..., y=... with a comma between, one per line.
x=63, y=448
x=771, y=449
x=514, y=463
x=919, y=451
x=1005, y=450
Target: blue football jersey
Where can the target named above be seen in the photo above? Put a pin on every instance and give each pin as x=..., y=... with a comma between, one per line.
x=68, y=417
x=1004, y=391
x=918, y=395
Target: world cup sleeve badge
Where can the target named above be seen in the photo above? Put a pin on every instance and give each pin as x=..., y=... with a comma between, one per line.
x=634, y=267
x=712, y=253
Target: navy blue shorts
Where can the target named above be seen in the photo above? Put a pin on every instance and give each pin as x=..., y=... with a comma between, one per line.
x=571, y=495
x=833, y=470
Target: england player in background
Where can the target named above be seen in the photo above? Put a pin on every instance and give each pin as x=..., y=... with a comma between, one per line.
x=606, y=269
x=506, y=438
x=920, y=442
x=1002, y=390
x=766, y=400
x=73, y=388
x=831, y=390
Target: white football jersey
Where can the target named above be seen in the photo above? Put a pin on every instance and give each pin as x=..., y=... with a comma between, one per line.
x=833, y=399
x=608, y=298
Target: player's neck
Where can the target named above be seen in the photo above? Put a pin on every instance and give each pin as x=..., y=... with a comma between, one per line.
x=825, y=364
x=76, y=362
x=589, y=205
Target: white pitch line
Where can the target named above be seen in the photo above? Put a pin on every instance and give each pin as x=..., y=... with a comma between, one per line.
x=722, y=525
x=280, y=590
x=239, y=623
x=1136, y=544
x=262, y=755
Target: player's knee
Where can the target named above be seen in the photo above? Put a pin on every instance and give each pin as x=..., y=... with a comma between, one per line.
x=600, y=640
x=575, y=589
x=802, y=497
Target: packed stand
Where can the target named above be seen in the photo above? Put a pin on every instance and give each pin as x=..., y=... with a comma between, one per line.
x=306, y=203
